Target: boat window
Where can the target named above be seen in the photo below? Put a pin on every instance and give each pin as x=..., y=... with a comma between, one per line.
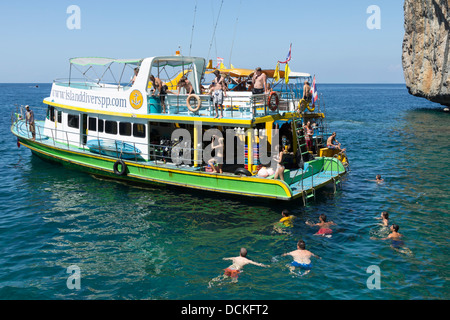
x=139, y=130
x=125, y=129
x=111, y=127
x=101, y=124
x=92, y=124
x=59, y=116
x=73, y=121
x=51, y=113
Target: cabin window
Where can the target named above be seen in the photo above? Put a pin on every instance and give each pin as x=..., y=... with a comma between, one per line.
x=51, y=113
x=92, y=124
x=73, y=121
x=59, y=116
x=111, y=127
x=139, y=130
x=101, y=124
x=125, y=129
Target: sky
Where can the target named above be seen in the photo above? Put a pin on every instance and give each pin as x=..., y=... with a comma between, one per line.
x=330, y=39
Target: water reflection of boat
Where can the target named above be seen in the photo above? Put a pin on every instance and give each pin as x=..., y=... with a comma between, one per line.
x=113, y=148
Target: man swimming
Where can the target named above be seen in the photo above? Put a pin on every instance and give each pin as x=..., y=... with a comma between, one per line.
x=323, y=224
x=238, y=262
x=302, y=257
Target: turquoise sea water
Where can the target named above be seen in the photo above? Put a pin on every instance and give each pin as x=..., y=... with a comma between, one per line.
x=167, y=243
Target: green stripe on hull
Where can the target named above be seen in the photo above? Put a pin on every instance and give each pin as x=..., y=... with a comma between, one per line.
x=231, y=184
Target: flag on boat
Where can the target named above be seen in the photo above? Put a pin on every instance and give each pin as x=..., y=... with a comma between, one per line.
x=288, y=57
x=287, y=71
x=276, y=74
x=314, y=94
x=220, y=64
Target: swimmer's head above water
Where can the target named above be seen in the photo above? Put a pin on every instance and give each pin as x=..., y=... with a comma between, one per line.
x=243, y=252
x=301, y=245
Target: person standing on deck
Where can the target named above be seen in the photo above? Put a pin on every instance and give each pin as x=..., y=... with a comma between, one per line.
x=29, y=120
x=162, y=89
x=259, y=82
x=218, y=91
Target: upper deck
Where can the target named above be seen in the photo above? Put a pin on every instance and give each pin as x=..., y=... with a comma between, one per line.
x=139, y=99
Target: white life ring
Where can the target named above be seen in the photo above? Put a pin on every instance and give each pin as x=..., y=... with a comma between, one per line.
x=199, y=102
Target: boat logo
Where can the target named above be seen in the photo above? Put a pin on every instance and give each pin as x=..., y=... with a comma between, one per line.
x=136, y=99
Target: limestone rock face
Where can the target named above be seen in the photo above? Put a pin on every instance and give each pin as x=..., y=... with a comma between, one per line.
x=426, y=59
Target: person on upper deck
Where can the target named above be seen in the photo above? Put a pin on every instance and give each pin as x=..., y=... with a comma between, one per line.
x=307, y=91
x=186, y=84
x=218, y=89
x=136, y=72
x=162, y=88
x=259, y=82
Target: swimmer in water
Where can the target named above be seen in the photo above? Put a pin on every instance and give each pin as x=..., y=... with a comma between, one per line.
x=286, y=219
x=378, y=179
x=396, y=240
x=238, y=262
x=302, y=258
x=385, y=218
x=324, y=226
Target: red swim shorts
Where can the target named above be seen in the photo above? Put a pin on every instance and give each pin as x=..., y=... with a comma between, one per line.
x=232, y=272
x=325, y=231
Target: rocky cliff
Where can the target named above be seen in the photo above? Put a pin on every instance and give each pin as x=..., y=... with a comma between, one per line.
x=426, y=59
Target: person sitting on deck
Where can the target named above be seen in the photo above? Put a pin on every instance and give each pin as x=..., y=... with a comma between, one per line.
x=332, y=143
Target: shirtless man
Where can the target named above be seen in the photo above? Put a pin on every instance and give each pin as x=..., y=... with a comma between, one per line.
x=218, y=91
x=332, y=143
x=29, y=120
x=307, y=91
x=161, y=88
x=302, y=257
x=259, y=82
x=238, y=262
x=186, y=84
x=323, y=224
x=219, y=154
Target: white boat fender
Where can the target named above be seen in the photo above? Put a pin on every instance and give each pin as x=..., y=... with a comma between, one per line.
x=188, y=102
x=123, y=169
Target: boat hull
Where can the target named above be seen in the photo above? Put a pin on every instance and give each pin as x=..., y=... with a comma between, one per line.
x=145, y=173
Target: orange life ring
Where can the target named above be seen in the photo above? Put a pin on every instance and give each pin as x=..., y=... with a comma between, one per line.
x=199, y=102
x=273, y=106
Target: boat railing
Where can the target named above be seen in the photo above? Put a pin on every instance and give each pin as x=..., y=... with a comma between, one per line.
x=249, y=106
x=162, y=152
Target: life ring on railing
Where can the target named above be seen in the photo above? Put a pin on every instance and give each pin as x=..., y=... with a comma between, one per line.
x=123, y=170
x=273, y=105
x=188, y=102
x=304, y=104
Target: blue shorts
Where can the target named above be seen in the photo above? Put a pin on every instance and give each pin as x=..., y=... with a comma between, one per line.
x=301, y=265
